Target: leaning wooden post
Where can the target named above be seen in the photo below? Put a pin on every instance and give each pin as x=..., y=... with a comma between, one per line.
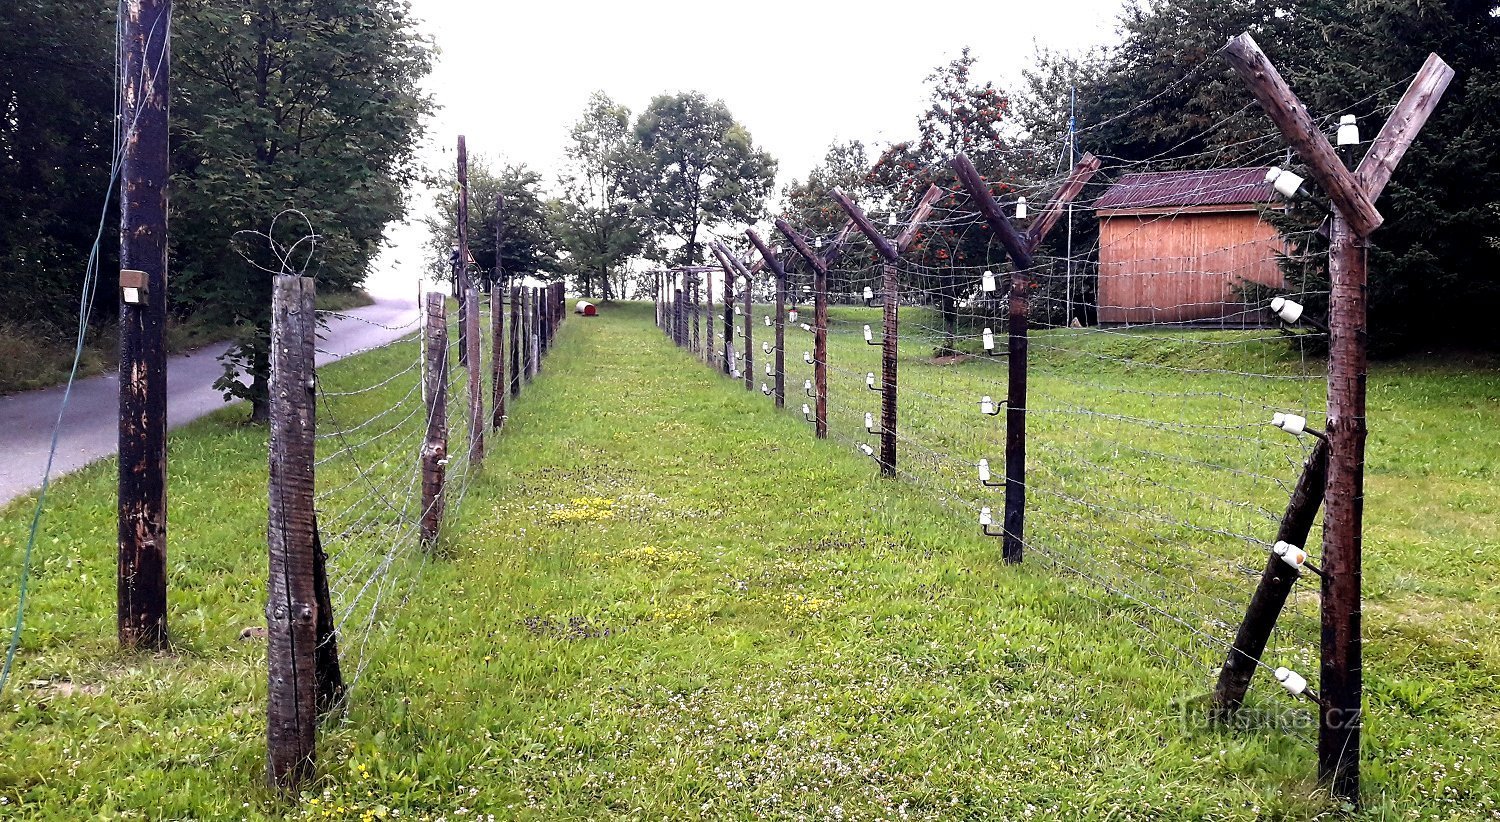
x=890, y=329
x=435, y=446
x=1276, y=584
x=1355, y=217
x=291, y=603
x=778, y=272
x=515, y=341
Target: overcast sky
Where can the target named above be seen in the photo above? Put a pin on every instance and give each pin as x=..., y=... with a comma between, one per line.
x=513, y=77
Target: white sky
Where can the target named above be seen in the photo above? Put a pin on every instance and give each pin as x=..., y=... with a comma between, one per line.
x=514, y=76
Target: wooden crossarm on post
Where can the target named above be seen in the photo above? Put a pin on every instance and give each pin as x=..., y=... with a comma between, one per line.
x=1077, y=179
x=857, y=216
x=1297, y=126
x=919, y=216
x=1017, y=246
x=1401, y=128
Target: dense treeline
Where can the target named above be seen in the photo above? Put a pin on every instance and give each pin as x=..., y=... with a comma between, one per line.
x=276, y=104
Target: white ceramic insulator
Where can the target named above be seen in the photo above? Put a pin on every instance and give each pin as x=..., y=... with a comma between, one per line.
x=770, y=370
x=737, y=311
x=869, y=293
x=989, y=340
x=870, y=379
x=1348, y=131
x=1020, y=208
x=1293, y=682
x=984, y=470
x=1290, y=554
x=1290, y=311
x=806, y=327
x=792, y=315
x=807, y=384
x=989, y=281
x=817, y=242
x=766, y=347
x=807, y=357
x=1293, y=424
x=1285, y=182
x=765, y=389
x=768, y=321
x=869, y=335
x=869, y=422
x=806, y=410
x=869, y=452
x=735, y=373
x=986, y=519
x=987, y=405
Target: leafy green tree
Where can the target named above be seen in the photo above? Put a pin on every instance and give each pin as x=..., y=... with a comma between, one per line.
x=56, y=141
x=596, y=221
x=700, y=172
x=304, y=104
x=528, y=246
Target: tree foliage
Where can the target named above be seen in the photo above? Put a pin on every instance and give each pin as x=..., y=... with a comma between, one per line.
x=596, y=221
x=699, y=170
x=528, y=246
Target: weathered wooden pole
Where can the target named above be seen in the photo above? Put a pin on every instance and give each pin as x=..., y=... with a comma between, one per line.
x=890, y=329
x=724, y=265
x=1353, y=195
x=498, y=386
x=515, y=340
x=708, y=319
x=778, y=272
x=291, y=601
x=141, y=580
x=820, y=326
x=1276, y=584
x=748, y=366
x=697, y=315
x=469, y=322
x=533, y=302
x=1017, y=324
x=435, y=445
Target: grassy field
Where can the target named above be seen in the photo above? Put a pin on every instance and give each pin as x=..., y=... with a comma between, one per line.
x=661, y=599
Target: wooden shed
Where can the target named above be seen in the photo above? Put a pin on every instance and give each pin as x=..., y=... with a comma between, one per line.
x=1177, y=246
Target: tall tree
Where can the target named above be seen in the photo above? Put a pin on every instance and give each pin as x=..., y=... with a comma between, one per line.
x=596, y=220
x=56, y=142
x=700, y=171
x=305, y=104
x=528, y=246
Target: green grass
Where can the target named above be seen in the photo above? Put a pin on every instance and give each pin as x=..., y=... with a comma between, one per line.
x=661, y=599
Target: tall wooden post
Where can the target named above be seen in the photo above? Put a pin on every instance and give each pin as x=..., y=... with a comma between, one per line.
x=470, y=319
x=778, y=271
x=708, y=319
x=697, y=315
x=141, y=581
x=1354, y=218
x=292, y=602
x=890, y=324
x=820, y=325
x=515, y=341
x=498, y=386
x=533, y=333
x=747, y=368
x=435, y=445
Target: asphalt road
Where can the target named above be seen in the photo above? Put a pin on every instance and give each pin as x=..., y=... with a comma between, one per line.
x=89, y=429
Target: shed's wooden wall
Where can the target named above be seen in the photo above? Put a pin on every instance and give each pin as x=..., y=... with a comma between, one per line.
x=1183, y=267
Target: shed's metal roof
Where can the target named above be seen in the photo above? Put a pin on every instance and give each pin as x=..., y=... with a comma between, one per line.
x=1182, y=189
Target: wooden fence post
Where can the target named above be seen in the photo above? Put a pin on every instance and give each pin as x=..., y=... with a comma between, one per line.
x=697, y=316
x=708, y=319
x=534, y=327
x=476, y=379
x=141, y=503
x=820, y=325
x=498, y=385
x=435, y=446
x=1341, y=679
x=890, y=320
x=515, y=341
x=778, y=271
x=748, y=367
x=292, y=615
